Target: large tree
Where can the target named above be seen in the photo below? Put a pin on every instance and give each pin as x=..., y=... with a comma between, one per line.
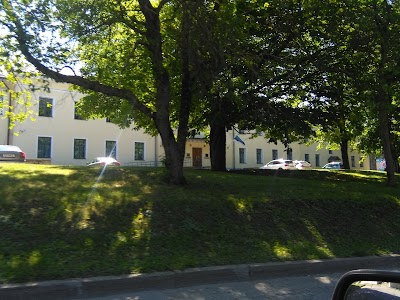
x=369, y=32
x=357, y=61
x=137, y=59
x=258, y=63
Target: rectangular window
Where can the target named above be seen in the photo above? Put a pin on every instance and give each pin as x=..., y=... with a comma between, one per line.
x=274, y=154
x=242, y=155
x=76, y=114
x=353, y=161
x=330, y=151
x=361, y=164
x=289, y=153
x=111, y=148
x=139, y=151
x=317, y=162
x=259, y=156
x=307, y=157
x=79, y=149
x=44, y=147
x=45, y=107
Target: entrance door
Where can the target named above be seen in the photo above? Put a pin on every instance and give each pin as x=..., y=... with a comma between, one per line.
x=196, y=154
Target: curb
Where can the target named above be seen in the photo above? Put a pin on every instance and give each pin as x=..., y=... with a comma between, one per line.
x=108, y=285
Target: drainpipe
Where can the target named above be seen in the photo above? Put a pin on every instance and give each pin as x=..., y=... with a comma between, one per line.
x=9, y=121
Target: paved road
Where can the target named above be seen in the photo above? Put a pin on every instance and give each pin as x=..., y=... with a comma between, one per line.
x=301, y=280
x=319, y=287
x=316, y=286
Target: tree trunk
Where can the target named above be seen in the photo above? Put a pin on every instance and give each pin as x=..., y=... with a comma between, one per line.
x=382, y=96
x=174, y=148
x=174, y=164
x=344, y=147
x=395, y=153
x=396, y=165
x=173, y=154
x=384, y=132
x=187, y=77
x=218, y=148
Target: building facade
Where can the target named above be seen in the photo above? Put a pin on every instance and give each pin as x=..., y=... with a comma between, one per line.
x=58, y=135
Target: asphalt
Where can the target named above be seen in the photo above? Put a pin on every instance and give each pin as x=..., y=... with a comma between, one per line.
x=108, y=285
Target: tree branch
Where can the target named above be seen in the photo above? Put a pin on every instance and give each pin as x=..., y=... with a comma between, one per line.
x=22, y=39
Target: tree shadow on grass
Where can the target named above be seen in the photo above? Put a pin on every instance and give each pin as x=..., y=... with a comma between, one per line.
x=74, y=225
x=322, y=174
x=59, y=226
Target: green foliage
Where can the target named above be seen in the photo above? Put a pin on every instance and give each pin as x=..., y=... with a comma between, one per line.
x=16, y=104
x=144, y=60
x=112, y=50
x=293, y=69
x=67, y=222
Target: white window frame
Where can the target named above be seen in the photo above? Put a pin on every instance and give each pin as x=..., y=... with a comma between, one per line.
x=73, y=148
x=277, y=154
x=261, y=156
x=76, y=115
x=289, y=154
x=134, y=151
x=115, y=148
x=241, y=149
x=51, y=146
x=317, y=160
x=52, y=106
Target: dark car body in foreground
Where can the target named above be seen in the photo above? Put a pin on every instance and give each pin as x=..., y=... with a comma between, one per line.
x=11, y=153
x=368, y=284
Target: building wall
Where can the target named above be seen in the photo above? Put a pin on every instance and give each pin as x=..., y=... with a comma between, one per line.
x=63, y=128
x=299, y=151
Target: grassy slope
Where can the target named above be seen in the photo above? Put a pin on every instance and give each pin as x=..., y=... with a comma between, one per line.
x=63, y=222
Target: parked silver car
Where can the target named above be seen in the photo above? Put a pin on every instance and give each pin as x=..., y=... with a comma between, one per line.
x=279, y=164
x=302, y=164
x=11, y=153
x=334, y=165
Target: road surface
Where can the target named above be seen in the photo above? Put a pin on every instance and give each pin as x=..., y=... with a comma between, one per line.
x=319, y=287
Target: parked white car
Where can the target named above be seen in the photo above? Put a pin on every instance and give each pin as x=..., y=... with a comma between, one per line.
x=302, y=164
x=103, y=161
x=279, y=164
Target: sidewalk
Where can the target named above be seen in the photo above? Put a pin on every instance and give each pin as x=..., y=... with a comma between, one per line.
x=108, y=285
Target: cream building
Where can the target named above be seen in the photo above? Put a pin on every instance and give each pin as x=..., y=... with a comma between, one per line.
x=59, y=136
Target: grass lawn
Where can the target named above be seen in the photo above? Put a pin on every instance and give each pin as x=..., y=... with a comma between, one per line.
x=65, y=222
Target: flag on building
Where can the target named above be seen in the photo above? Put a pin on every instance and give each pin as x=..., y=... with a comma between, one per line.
x=237, y=138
